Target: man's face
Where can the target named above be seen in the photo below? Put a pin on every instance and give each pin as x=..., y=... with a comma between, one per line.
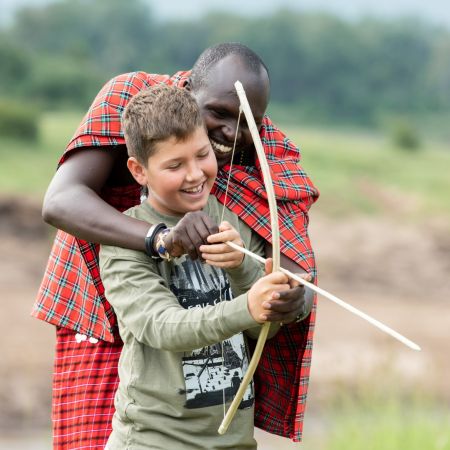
x=219, y=105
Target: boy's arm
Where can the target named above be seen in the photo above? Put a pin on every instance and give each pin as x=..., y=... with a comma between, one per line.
x=243, y=277
x=150, y=311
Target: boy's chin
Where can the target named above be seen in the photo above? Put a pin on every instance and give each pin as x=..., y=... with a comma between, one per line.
x=198, y=206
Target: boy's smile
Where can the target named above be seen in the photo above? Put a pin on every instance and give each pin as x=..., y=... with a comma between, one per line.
x=180, y=174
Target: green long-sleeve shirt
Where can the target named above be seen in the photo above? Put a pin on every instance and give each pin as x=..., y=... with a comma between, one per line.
x=184, y=350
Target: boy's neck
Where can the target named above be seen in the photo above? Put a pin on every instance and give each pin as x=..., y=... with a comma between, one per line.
x=165, y=213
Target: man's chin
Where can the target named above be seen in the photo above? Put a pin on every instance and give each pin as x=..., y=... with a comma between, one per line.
x=222, y=160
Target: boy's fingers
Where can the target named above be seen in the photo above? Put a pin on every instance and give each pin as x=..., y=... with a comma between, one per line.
x=216, y=248
x=218, y=257
x=268, y=265
x=224, y=236
x=277, y=278
x=225, y=226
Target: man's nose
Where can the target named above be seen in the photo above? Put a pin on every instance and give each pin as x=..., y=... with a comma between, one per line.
x=229, y=131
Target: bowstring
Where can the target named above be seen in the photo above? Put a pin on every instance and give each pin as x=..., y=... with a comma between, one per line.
x=231, y=165
x=221, y=220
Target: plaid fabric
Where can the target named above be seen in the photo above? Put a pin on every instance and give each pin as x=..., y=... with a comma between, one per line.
x=84, y=384
x=72, y=295
x=281, y=380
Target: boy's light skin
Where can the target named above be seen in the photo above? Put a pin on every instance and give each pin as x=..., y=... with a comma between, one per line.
x=179, y=176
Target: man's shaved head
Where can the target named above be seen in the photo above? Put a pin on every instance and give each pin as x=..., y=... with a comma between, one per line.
x=212, y=55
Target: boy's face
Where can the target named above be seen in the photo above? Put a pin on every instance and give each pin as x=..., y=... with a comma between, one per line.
x=219, y=105
x=179, y=175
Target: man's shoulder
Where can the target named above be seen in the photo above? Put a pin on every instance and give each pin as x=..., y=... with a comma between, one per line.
x=146, y=79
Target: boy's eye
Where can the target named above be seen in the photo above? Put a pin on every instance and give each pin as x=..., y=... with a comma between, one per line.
x=174, y=166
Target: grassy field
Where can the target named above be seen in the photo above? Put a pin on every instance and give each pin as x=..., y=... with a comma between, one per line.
x=27, y=167
x=356, y=172
x=388, y=420
x=364, y=172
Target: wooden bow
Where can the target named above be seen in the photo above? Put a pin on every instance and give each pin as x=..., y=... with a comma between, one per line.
x=276, y=266
x=245, y=106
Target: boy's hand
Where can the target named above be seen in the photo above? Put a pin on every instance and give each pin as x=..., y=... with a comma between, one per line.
x=266, y=290
x=189, y=234
x=219, y=254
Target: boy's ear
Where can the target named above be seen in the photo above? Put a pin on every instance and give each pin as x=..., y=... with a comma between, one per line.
x=138, y=171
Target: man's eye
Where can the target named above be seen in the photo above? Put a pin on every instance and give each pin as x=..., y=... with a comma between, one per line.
x=219, y=114
x=174, y=166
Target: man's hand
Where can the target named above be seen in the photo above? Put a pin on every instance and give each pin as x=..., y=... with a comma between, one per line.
x=219, y=254
x=189, y=234
x=292, y=304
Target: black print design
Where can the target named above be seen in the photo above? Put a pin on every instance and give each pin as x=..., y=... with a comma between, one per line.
x=208, y=376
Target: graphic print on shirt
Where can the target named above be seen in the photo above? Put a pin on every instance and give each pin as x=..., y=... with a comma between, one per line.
x=207, y=375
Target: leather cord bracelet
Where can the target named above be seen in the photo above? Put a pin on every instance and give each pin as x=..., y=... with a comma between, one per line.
x=150, y=238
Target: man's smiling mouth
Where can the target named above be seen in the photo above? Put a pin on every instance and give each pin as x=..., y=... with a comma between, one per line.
x=220, y=148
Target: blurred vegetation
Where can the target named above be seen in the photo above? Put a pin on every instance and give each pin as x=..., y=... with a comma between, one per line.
x=372, y=419
x=323, y=69
x=363, y=171
x=356, y=171
x=361, y=98
x=18, y=120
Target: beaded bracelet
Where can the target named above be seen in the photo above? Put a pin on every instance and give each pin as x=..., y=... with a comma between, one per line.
x=150, y=238
x=161, y=246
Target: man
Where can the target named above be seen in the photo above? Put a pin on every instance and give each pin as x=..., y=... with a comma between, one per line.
x=85, y=197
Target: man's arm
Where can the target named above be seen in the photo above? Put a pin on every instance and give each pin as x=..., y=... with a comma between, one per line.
x=72, y=202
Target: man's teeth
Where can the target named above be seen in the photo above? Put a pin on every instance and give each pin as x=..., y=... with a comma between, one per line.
x=221, y=148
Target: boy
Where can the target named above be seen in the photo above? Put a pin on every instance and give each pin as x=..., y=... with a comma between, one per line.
x=184, y=352
x=84, y=200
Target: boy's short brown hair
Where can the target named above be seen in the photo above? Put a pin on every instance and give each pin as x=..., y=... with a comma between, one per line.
x=157, y=114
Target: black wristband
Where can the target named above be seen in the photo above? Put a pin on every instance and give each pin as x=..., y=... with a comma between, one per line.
x=149, y=239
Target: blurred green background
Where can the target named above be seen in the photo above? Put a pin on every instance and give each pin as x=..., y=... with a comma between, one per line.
x=368, y=101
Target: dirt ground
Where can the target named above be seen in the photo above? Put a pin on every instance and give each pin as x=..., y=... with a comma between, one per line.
x=397, y=272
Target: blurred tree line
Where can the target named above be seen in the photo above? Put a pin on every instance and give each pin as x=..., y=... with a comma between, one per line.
x=59, y=55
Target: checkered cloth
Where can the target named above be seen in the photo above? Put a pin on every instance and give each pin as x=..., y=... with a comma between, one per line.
x=71, y=295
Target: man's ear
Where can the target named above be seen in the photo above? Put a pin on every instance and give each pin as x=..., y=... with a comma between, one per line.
x=138, y=171
x=188, y=85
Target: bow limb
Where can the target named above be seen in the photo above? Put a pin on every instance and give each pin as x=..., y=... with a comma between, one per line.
x=275, y=247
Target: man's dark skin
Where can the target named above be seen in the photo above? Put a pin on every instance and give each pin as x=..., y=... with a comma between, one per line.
x=72, y=201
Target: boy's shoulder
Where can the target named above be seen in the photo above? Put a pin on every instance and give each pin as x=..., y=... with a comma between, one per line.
x=137, y=211
x=111, y=251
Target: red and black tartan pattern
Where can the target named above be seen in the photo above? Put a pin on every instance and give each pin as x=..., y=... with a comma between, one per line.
x=84, y=384
x=282, y=378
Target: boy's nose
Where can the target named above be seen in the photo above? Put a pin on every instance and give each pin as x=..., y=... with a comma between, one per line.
x=194, y=172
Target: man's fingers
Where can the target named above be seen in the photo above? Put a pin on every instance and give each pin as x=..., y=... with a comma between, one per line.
x=293, y=293
x=280, y=306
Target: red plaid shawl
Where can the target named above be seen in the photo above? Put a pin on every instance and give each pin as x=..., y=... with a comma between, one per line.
x=72, y=295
